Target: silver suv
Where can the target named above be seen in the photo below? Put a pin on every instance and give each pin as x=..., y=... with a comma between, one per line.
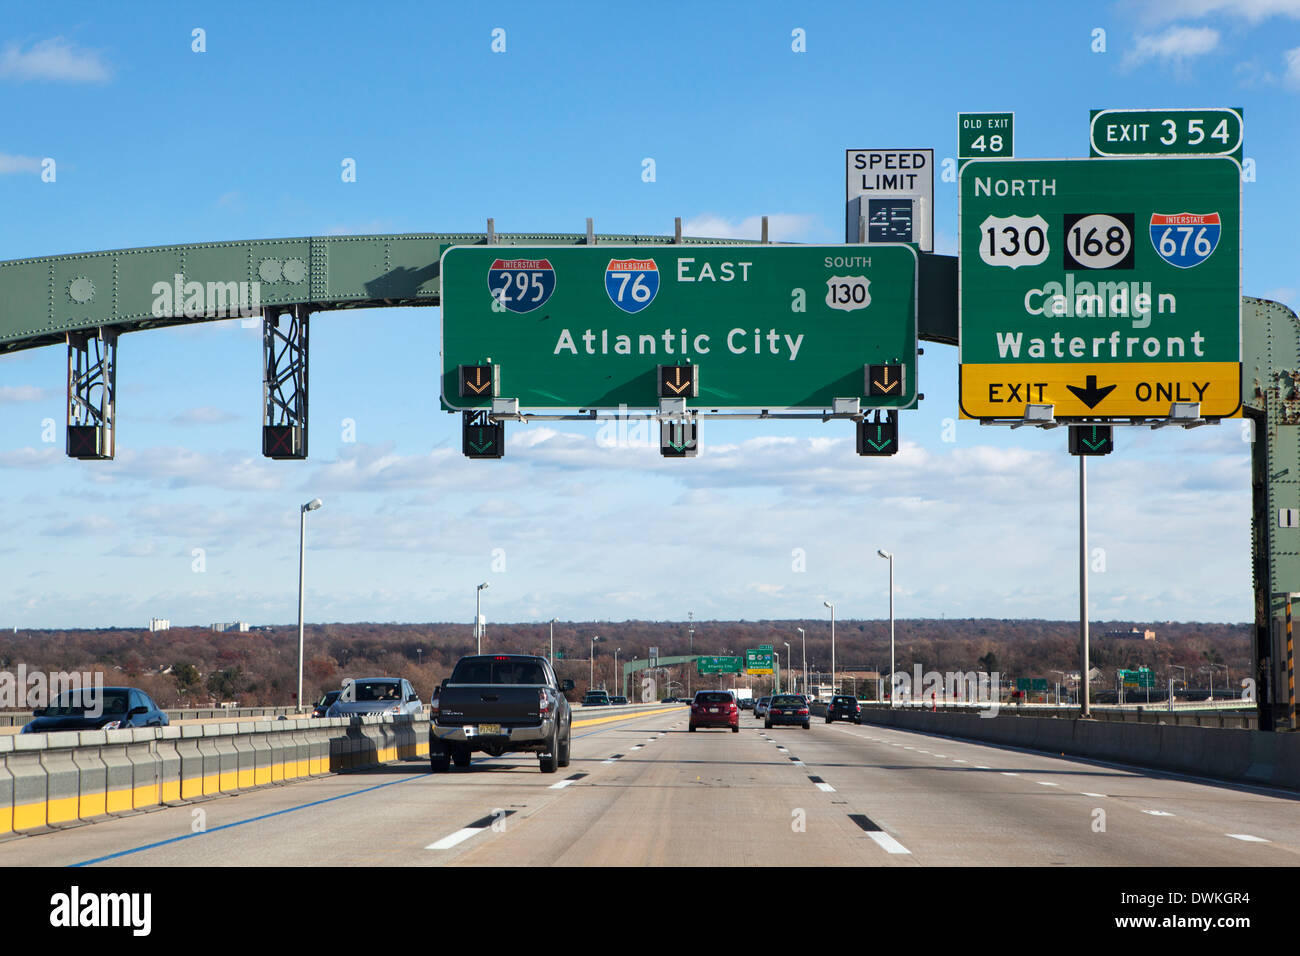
x=376, y=695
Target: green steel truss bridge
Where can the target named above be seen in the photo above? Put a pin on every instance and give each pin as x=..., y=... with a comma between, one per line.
x=87, y=301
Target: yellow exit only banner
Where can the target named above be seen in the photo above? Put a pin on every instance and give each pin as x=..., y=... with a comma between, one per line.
x=1145, y=390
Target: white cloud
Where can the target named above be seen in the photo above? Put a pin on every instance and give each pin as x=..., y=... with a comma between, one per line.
x=781, y=227
x=13, y=394
x=204, y=415
x=1292, y=76
x=1174, y=47
x=53, y=59
x=183, y=468
x=1252, y=11
x=18, y=164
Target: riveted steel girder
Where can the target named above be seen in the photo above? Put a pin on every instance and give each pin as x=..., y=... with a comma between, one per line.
x=43, y=299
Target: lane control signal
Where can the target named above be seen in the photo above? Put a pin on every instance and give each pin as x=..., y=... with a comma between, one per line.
x=879, y=438
x=481, y=437
x=679, y=439
x=679, y=381
x=480, y=381
x=1091, y=440
x=885, y=381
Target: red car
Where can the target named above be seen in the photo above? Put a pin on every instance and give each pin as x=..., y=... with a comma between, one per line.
x=715, y=708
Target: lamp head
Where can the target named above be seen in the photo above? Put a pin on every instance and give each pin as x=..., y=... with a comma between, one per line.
x=312, y=505
x=885, y=554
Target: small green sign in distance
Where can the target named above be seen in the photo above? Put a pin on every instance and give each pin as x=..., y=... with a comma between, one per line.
x=1167, y=132
x=765, y=326
x=986, y=136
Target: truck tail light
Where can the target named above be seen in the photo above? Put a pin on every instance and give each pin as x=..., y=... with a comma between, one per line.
x=543, y=704
x=433, y=708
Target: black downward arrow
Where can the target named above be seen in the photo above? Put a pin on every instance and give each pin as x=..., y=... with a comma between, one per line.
x=1091, y=395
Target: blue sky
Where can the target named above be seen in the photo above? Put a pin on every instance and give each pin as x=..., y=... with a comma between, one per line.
x=156, y=143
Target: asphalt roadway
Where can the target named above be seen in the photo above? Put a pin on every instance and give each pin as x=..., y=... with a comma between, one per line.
x=646, y=792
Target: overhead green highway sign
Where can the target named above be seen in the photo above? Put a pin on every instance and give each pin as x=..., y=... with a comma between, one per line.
x=758, y=660
x=757, y=327
x=717, y=665
x=1167, y=132
x=1107, y=288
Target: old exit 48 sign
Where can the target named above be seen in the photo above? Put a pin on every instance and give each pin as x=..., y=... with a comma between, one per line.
x=1108, y=288
x=723, y=326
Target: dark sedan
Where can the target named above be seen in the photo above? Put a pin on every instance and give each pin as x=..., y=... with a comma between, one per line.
x=323, y=705
x=109, y=708
x=787, y=709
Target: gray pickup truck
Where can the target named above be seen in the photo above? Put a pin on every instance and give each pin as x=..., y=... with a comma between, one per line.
x=496, y=704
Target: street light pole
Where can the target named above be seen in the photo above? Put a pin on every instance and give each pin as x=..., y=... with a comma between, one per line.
x=617, y=682
x=690, y=617
x=805, y=657
x=551, y=659
x=591, y=673
x=890, y=556
x=789, y=668
x=302, y=548
x=832, y=607
x=478, y=619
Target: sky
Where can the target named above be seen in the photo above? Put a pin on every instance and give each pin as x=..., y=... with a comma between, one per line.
x=158, y=142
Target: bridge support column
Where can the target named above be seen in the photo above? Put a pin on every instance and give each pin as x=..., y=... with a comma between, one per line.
x=1271, y=395
x=92, y=394
x=284, y=382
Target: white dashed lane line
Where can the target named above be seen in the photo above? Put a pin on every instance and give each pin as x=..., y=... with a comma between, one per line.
x=881, y=838
x=567, y=781
x=463, y=834
x=1247, y=838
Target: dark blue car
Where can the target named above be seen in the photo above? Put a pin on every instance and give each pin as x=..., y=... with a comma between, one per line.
x=111, y=708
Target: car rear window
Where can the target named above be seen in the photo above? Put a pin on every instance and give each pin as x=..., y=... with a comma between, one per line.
x=719, y=697
x=787, y=702
x=498, y=672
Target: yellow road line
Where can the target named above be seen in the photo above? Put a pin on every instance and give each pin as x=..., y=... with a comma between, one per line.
x=606, y=720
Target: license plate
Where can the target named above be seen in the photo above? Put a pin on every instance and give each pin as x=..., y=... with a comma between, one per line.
x=485, y=729
x=713, y=710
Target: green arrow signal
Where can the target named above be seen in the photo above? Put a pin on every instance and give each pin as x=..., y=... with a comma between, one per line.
x=878, y=445
x=479, y=446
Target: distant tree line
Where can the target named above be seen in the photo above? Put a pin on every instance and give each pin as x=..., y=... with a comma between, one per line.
x=199, y=667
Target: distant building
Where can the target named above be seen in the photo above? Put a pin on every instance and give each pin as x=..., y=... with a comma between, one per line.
x=1132, y=635
x=231, y=626
x=159, y=624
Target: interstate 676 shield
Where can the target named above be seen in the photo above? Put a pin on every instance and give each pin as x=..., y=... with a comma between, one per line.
x=1106, y=288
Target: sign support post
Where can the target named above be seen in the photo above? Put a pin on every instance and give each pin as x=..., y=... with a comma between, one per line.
x=1085, y=699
